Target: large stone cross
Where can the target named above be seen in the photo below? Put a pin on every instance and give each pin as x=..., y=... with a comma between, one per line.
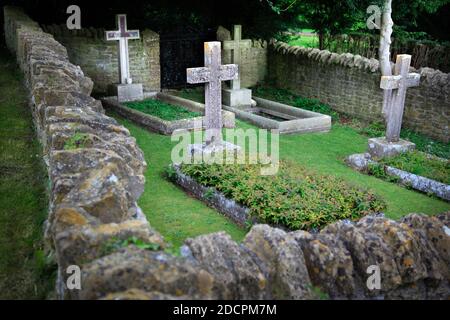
x=399, y=82
x=123, y=35
x=212, y=74
x=236, y=45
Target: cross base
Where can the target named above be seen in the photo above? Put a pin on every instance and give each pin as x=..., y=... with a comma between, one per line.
x=223, y=148
x=381, y=148
x=130, y=92
x=237, y=98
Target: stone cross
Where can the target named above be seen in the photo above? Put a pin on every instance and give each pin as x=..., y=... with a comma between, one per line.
x=212, y=74
x=236, y=45
x=123, y=35
x=399, y=82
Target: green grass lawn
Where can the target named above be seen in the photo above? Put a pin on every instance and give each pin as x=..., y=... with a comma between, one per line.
x=24, y=273
x=178, y=216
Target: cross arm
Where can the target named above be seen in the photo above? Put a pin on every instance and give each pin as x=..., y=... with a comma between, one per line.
x=393, y=82
x=228, y=72
x=230, y=44
x=198, y=75
x=133, y=34
x=112, y=35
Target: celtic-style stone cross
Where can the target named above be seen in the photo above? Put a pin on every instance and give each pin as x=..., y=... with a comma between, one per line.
x=123, y=35
x=212, y=74
x=236, y=45
x=399, y=82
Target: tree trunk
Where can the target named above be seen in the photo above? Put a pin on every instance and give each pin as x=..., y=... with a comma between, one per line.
x=384, y=51
x=321, y=40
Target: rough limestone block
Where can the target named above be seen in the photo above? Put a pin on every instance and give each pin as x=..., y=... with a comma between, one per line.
x=380, y=147
x=130, y=92
x=237, y=98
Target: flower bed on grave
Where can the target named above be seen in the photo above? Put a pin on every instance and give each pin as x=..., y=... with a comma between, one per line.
x=294, y=198
x=416, y=170
x=418, y=163
x=164, y=113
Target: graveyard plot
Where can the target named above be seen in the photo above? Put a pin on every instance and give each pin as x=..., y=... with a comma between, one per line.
x=295, y=198
x=415, y=170
x=276, y=114
x=164, y=113
x=286, y=119
x=178, y=215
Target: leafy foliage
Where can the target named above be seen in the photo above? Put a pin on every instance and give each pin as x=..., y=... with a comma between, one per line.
x=78, y=140
x=295, y=197
x=421, y=164
x=162, y=110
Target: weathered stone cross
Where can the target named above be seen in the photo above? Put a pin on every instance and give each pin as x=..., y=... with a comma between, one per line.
x=212, y=74
x=236, y=45
x=399, y=82
x=123, y=35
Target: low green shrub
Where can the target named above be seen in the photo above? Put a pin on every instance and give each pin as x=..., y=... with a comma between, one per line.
x=421, y=164
x=295, y=197
x=162, y=110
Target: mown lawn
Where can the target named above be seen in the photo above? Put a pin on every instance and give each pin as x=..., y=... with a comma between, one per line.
x=24, y=272
x=178, y=216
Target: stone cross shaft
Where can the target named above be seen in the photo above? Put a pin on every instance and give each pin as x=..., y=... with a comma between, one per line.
x=123, y=35
x=212, y=74
x=236, y=45
x=399, y=82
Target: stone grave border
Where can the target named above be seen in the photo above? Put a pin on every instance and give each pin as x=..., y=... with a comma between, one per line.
x=165, y=127
x=301, y=120
x=361, y=162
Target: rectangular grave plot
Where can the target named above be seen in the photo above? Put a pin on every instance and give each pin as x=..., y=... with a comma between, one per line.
x=287, y=119
x=162, y=126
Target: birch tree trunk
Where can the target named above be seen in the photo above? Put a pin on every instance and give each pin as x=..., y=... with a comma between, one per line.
x=384, y=51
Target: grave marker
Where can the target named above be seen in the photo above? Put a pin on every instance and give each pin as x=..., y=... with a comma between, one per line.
x=212, y=75
x=235, y=96
x=399, y=83
x=126, y=90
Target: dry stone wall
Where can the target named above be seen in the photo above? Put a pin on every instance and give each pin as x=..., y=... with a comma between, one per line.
x=96, y=174
x=351, y=84
x=99, y=58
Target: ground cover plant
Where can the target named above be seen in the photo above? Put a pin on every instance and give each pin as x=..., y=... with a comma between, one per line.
x=295, y=197
x=417, y=163
x=162, y=110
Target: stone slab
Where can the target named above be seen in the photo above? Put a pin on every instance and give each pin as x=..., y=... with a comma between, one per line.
x=294, y=120
x=237, y=98
x=222, y=147
x=380, y=147
x=130, y=92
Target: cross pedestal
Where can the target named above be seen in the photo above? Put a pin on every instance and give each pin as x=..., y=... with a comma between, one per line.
x=401, y=80
x=236, y=96
x=126, y=90
x=212, y=74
